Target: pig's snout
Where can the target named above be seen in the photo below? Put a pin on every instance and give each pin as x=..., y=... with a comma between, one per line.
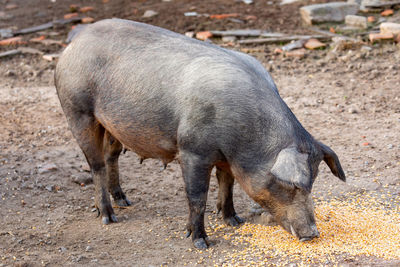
x=309, y=234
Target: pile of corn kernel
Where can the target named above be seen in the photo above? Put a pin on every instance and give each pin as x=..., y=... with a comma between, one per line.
x=360, y=226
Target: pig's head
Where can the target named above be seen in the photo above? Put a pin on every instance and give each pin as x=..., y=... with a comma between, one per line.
x=286, y=192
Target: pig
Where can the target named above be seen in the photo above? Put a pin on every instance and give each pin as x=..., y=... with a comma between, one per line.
x=166, y=96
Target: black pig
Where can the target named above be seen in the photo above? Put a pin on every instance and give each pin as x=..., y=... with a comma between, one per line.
x=166, y=96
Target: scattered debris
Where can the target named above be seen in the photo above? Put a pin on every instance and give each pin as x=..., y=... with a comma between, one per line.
x=47, y=168
x=12, y=41
x=191, y=14
x=247, y=2
x=189, y=34
x=286, y=2
x=299, y=53
x=239, y=33
x=42, y=39
x=224, y=16
x=356, y=21
x=11, y=6
x=87, y=20
x=390, y=27
x=47, y=25
x=380, y=36
x=149, y=14
x=51, y=57
x=6, y=33
x=283, y=39
x=204, y=35
x=30, y=50
x=294, y=45
x=314, y=44
x=329, y=12
x=10, y=53
x=228, y=39
x=86, y=9
x=5, y=16
x=70, y=15
x=387, y=12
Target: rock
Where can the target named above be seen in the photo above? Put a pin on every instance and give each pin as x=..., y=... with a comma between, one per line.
x=6, y=33
x=371, y=19
x=366, y=48
x=87, y=20
x=390, y=27
x=299, y=53
x=329, y=12
x=314, y=44
x=88, y=248
x=294, y=45
x=70, y=15
x=286, y=2
x=10, y=53
x=50, y=188
x=247, y=2
x=149, y=14
x=4, y=16
x=343, y=43
x=30, y=50
x=228, y=39
x=47, y=168
x=387, y=12
x=203, y=35
x=191, y=14
x=11, y=6
x=380, y=36
x=356, y=21
x=189, y=34
x=86, y=9
x=62, y=249
x=51, y=57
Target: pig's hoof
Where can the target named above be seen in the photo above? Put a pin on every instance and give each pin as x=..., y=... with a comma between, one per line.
x=200, y=243
x=234, y=220
x=123, y=202
x=107, y=219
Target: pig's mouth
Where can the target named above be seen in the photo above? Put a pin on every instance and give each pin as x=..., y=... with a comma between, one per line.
x=305, y=238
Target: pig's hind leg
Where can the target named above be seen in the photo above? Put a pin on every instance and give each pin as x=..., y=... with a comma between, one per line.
x=89, y=134
x=112, y=150
x=225, y=198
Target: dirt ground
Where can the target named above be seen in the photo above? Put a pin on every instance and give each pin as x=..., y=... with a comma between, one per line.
x=349, y=100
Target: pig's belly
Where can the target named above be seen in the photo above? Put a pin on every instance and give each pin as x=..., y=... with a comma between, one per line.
x=147, y=142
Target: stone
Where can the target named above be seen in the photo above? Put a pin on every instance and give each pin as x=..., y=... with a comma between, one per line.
x=87, y=20
x=5, y=16
x=149, y=14
x=371, y=19
x=228, y=38
x=294, y=45
x=6, y=33
x=356, y=21
x=380, y=36
x=287, y=2
x=70, y=15
x=299, y=53
x=387, y=12
x=189, y=34
x=314, y=44
x=86, y=9
x=390, y=27
x=203, y=35
x=329, y=12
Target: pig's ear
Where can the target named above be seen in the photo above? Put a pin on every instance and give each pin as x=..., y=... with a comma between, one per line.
x=332, y=160
x=291, y=167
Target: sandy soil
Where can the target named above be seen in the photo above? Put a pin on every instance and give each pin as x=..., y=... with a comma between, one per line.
x=350, y=101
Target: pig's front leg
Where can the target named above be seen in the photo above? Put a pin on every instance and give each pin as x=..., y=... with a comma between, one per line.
x=196, y=174
x=225, y=198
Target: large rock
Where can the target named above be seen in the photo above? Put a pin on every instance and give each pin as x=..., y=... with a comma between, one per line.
x=390, y=27
x=356, y=21
x=329, y=12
